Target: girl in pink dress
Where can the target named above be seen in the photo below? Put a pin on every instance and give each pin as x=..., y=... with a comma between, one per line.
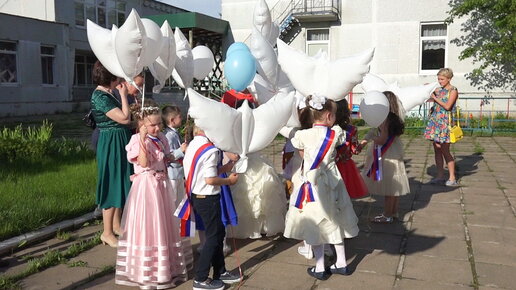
x=149, y=250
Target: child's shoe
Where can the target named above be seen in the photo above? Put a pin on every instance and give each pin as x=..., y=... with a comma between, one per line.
x=452, y=183
x=208, y=284
x=305, y=251
x=341, y=271
x=324, y=275
x=230, y=278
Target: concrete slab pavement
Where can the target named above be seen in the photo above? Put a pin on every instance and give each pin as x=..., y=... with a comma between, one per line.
x=447, y=238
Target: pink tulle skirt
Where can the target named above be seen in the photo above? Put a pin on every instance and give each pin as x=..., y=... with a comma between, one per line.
x=355, y=185
x=150, y=251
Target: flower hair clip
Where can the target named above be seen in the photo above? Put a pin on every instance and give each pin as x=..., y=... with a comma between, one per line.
x=317, y=102
x=144, y=111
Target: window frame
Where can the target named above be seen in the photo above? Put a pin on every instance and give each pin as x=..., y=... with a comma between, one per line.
x=423, y=38
x=15, y=52
x=85, y=63
x=53, y=56
x=308, y=42
x=107, y=8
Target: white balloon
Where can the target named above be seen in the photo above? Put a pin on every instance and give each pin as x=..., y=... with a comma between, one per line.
x=266, y=59
x=247, y=133
x=184, y=70
x=131, y=45
x=163, y=66
x=262, y=18
x=203, y=61
x=409, y=97
x=333, y=79
x=221, y=124
x=273, y=36
x=374, y=108
x=154, y=41
x=269, y=118
x=102, y=45
x=261, y=90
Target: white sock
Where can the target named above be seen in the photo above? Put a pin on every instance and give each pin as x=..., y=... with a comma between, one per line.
x=319, y=257
x=341, y=255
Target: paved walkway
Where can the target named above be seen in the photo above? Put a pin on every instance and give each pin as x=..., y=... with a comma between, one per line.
x=449, y=238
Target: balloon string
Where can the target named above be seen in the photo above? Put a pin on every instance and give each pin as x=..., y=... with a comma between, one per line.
x=143, y=93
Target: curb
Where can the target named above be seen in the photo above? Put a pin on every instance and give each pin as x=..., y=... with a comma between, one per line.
x=12, y=244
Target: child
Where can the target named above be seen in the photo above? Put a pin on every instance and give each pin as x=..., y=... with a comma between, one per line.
x=438, y=130
x=384, y=170
x=173, y=120
x=320, y=211
x=203, y=189
x=149, y=251
x=347, y=167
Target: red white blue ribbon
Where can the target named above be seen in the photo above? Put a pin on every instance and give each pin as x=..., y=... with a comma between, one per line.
x=325, y=147
x=185, y=210
x=305, y=194
x=376, y=170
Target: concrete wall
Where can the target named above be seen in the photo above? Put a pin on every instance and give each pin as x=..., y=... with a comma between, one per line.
x=392, y=27
x=29, y=95
x=51, y=22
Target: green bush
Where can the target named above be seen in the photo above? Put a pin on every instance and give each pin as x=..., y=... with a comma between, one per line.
x=25, y=144
x=358, y=122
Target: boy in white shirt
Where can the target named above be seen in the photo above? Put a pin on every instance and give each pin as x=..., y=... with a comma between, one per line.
x=201, y=169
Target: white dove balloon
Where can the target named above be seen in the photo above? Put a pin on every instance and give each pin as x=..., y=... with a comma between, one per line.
x=275, y=32
x=409, y=97
x=240, y=131
x=131, y=45
x=184, y=70
x=154, y=41
x=262, y=18
x=266, y=59
x=102, y=45
x=163, y=66
x=333, y=79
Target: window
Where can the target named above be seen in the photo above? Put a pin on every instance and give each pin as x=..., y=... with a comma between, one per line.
x=83, y=69
x=47, y=64
x=103, y=12
x=317, y=40
x=8, y=69
x=433, y=47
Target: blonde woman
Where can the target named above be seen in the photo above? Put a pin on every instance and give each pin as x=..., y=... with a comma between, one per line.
x=438, y=131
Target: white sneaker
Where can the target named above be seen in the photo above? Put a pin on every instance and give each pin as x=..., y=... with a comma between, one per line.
x=226, y=249
x=305, y=251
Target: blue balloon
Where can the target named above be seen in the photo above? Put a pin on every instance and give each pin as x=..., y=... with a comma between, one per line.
x=240, y=69
x=237, y=46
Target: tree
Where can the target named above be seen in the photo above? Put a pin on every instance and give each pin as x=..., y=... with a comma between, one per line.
x=489, y=39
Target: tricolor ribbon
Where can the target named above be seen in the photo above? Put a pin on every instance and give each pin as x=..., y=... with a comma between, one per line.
x=185, y=211
x=376, y=170
x=305, y=193
x=325, y=146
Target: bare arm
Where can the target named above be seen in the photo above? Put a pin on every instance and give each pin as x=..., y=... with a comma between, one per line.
x=217, y=181
x=142, y=157
x=384, y=134
x=451, y=100
x=121, y=116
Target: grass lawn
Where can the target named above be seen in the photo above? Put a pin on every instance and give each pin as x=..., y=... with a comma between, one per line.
x=36, y=195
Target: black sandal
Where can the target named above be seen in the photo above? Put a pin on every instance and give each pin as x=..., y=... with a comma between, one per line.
x=324, y=275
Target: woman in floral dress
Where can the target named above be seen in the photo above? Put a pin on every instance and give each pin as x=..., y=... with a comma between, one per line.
x=438, y=130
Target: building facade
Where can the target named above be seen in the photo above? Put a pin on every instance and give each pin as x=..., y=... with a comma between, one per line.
x=45, y=58
x=411, y=39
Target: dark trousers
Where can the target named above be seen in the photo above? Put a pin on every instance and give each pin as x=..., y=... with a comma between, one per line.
x=212, y=254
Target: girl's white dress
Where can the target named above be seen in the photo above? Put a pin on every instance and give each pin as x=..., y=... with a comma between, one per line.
x=260, y=201
x=394, y=176
x=331, y=217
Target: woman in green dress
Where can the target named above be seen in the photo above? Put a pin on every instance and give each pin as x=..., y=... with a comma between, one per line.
x=113, y=118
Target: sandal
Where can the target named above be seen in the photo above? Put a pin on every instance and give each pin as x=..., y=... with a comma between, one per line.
x=452, y=183
x=382, y=219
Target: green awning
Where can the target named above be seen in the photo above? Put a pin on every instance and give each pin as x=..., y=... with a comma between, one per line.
x=188, y=20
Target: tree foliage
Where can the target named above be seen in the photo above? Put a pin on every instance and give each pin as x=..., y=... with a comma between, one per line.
x=489, y=38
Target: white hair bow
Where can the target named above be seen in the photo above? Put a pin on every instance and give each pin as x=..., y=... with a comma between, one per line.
x=317, y=102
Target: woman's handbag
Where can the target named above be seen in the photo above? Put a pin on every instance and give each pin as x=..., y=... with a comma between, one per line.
x=456, y=133
x=89, y=120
